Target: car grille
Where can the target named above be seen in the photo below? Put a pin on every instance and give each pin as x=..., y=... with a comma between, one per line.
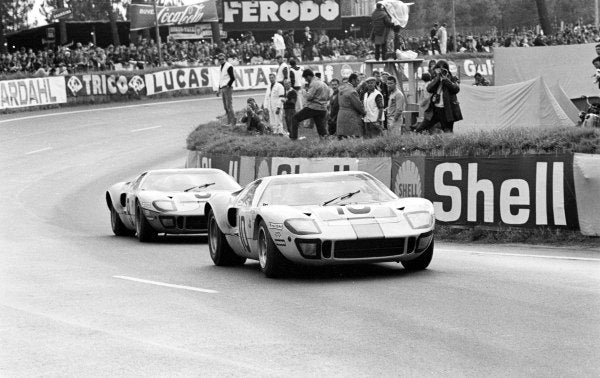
x=365, y=248
x=192, y=223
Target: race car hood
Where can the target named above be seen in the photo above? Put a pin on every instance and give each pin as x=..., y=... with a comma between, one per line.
x=184, y=201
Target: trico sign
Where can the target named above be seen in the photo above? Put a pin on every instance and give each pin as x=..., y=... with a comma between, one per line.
x=513, y=191
x=280, y=14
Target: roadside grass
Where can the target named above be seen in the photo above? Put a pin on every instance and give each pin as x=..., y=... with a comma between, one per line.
x=216, y=139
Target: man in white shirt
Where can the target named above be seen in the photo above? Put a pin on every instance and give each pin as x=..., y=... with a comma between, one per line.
x=373, y=103
x=442, y=36
x=282, y=71
x=273, y=103
x=226, y=80
x=279, y=43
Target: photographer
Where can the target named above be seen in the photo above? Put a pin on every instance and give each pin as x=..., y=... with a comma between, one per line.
x=254, y=117
x=444, y=107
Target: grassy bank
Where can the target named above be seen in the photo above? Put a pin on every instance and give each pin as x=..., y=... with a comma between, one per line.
x=216, y=139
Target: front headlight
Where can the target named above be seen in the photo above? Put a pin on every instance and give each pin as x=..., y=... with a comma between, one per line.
x=420, y=219
x=302, y=226
x=164, y=205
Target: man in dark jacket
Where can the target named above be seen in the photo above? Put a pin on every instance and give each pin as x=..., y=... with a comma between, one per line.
x=444, y=107
x=288, y=38
x=381, y=23
x=333, y=107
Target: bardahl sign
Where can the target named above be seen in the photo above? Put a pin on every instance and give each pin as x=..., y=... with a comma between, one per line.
x=281, y=14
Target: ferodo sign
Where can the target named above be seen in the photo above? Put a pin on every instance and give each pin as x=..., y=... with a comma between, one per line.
x=530, y=191
x=281, y=14
x=91, y=85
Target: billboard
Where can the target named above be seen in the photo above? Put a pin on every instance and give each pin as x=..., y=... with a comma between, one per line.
x=171, y=12
x=22, y=93
x=281, y=14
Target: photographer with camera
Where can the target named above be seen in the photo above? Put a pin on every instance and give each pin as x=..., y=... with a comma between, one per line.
x=443, y=107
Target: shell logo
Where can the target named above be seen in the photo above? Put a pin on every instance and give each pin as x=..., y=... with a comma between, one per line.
x=408, y=181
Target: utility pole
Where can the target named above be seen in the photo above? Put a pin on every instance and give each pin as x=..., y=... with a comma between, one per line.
x=62, y=26
x=454, y=27
x=596, y=13
x=160, y=59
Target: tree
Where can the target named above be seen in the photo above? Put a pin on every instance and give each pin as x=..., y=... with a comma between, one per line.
x=13, y=17
x=542, y=8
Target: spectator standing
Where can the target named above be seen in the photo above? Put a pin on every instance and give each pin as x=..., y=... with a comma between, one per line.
x=273, y=104
x=442, y=37
x=351, y=109
x=333, y=107
x=373, y=103
x=283, y=71
x=289, y=109
x=226, y=80
x=435, y=46
x=307, y=45
x=288, y=39
x=443, y=107
x=279, y=43
x=381, y=24
x=480, y=80
x=316, y=103
x=396, y=106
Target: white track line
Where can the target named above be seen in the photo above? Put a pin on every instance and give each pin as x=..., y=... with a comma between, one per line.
x=36, y=151
x=119, y=107
x=520, y=255
x=166, y=284
x=145, y=128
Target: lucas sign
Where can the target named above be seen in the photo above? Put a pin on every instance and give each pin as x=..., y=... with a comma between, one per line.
x=281, y=14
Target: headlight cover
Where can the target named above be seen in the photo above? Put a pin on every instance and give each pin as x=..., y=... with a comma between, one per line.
x=420, y=219
x=164, y=205
x=302, y=226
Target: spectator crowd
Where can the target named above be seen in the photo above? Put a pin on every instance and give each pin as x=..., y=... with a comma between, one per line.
x=246, y=50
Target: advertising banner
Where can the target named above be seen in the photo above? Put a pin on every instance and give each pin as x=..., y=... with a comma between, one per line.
x=177, y=79
x=586, y=171
x=408, y=176
x=281, y=14
x=252, y=77
x=32, y=92
x=227, y=163
x=113, y=85
x=378, y=167
x=519, y=191
x=284, y=166
x=171, y=12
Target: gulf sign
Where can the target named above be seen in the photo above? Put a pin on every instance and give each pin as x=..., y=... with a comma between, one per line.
x=281, y=14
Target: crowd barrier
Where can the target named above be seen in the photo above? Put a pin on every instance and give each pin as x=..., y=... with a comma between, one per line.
x=104, y=87
x=556, y=191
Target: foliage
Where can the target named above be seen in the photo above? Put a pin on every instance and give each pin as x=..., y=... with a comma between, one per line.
x=14, y=14
x=213, y=138
x=83, y=10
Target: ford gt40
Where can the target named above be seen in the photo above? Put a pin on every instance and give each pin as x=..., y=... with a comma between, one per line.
x=169, y=201
x=319, y=218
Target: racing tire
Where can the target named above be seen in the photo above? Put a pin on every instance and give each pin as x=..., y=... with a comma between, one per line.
x=117, y=225
x=421, y=262
x=221, y=252
x=145, y=232
x=272, y=263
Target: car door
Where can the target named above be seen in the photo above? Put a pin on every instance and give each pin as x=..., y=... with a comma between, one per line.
x=246, y=217
x=130, y=198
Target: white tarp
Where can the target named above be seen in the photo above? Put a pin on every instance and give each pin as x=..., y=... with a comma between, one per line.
x=569, y=65
x=528, y=104
x=586, y=175
x=397, y=10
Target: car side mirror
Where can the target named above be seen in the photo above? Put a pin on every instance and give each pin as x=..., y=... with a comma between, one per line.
x=232, y=216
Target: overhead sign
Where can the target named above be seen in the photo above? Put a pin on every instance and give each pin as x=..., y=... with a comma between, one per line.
x=281, y=14
x=62, y=13
x=142, y=15
x=200, y=31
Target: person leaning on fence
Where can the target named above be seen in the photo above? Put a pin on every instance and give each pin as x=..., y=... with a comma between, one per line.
x=444, y=107
x=226, y=80
x=316, y=103
x=349, y=119
x=373, y=102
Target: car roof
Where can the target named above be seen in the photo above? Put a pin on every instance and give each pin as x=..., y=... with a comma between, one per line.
x=187, y=170
x=315, y=175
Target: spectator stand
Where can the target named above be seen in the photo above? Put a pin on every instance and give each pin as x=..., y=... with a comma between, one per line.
x=405, y=70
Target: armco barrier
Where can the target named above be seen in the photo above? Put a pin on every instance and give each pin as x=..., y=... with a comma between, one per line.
x=556, y=191
x=101, y=87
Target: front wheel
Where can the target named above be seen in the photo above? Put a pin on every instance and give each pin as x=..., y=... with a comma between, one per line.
x=421, y=262
x=220, y=252
x=272, y=262
x=145, y=232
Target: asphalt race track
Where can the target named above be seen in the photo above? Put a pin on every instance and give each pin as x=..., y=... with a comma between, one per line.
x=77, y=301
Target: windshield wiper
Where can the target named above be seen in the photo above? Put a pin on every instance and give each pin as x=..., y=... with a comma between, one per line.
x=200, y=186
x=341, y=197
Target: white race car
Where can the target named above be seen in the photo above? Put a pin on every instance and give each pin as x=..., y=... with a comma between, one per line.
x=319, y=218
x=169, y=201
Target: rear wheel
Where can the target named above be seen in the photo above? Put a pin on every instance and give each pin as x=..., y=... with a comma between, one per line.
x=117, y=225
x=272, y=262
x=220, y=251
x=421, y=262
x=145, y=232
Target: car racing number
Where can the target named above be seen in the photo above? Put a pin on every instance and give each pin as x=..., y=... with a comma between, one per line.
x=244, y=234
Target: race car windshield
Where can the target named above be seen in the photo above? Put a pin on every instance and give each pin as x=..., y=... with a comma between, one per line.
x=182, y=181
x=306, y=191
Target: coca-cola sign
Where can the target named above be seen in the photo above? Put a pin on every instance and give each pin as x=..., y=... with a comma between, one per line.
x=142, y=15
